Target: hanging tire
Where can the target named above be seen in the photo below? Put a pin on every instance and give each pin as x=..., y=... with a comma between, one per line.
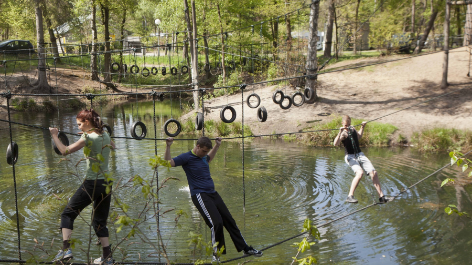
x=248, y=101
x=64, y=140
x=160, y=96
x=135, y=71
x=154, y=70
x=289, y=102
x=184, y=69
x=125, y=68
x=302, y=101
x=107, y=129
x=164, y=71
x=199, y=121
x=233, y=114
x=274, y=96
x=171, y=122
x=143, y=130
x=309, y=95
x=207, y=67
x=262, y=114
x=12, y=153
x=113, y=69
x=145, y=72
x=173, y=70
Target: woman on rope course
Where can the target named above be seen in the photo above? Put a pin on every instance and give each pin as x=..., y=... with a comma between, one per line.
x=356, y=159
x=97, y=143
x=208, y=202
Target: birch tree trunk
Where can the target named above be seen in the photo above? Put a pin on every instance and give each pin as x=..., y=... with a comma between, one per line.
x=468, y=26
x=356, y=26
x=222, y=45
x=42, y=84
x=193, y=51
x=93, y=59
x=444, y=83
x=311, y=60
x=329, y=30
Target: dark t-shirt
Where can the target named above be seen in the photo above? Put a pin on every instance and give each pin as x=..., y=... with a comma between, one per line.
x=197, y=171
x=348, y=147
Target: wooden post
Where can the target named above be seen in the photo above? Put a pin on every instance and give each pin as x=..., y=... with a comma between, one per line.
x=446, y=46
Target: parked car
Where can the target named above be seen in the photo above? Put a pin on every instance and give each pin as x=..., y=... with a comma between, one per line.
x=16, y=46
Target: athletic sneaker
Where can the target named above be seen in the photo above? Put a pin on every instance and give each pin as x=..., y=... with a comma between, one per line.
x=109, y=261
x=252, y=251
x=62, y=255
x=384, y=199
x=351, y=199
x=215, y=259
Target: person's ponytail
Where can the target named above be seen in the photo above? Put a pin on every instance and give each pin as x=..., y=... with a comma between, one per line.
x=92, y=116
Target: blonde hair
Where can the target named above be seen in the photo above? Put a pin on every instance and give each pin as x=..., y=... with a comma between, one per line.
x=346, y=118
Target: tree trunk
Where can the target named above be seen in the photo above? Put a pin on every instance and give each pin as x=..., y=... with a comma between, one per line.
x=53, y=40
x=444, y=83
x=458, y=20
x=193, y=52
x=41, y=85
x=336, y=48
x=60, y=43
x=468, y=26
x=413, y=11
x=426, y=32
x=311, y=59
x=107, y=56
x=222, y=45
x=93, y=59
x=329, y=30
x=122, y=33
x=274, y=26
x=289, y=32
x=356, y=26
x=205, y=43
x=433, y=44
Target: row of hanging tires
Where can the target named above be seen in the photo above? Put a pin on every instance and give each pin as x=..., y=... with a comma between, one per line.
x=134, y=69
x=172, y=127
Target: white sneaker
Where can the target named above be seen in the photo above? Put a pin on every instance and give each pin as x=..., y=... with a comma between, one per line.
x=109, y=261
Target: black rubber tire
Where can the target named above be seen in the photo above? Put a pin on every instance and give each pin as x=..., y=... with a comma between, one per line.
x=154, y=70
x=174, y=70
x=179, y=127
x=12, y=153
x=298, y=93
x=184, y=69
x=262, y=114
x=160, y=96
x=64, y=140
x=107, y=128
x=113, y=67
x=147, y=72
x=248, y=102
x=164, y=71
x=134, y=67
x=143, y=129
x=233, y=114
x=125, y=68
x=289, y=102
x=207, y=67
x=274, y=96
x=199, y=121
x=309, y=95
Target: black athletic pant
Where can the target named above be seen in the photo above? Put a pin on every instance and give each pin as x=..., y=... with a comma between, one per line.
x=216, y=216
x=81, y=199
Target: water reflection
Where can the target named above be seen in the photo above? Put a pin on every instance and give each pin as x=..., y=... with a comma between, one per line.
x=284, y=184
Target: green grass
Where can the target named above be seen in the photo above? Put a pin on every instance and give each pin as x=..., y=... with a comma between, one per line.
x=216, y=128
x=375, y=133
x=440, y=139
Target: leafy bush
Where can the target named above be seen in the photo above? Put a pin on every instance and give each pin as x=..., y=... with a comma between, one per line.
x=441, y=139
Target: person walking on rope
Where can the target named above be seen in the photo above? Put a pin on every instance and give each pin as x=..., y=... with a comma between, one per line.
x=92, y=189
x=356, y=159
x=204, y=196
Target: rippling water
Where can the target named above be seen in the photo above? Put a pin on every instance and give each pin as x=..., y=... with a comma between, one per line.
x=285, y=183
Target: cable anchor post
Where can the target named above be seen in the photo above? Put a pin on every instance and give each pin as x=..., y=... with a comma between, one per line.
x=7, y=94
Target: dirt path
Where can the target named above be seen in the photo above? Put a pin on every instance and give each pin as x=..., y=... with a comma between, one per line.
x=368, y=93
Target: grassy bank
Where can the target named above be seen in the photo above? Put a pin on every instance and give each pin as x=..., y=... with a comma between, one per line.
x=375, y=133
x=439, y=139
x=217, y=128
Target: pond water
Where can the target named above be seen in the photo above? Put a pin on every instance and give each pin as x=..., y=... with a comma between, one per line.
x=285, y=183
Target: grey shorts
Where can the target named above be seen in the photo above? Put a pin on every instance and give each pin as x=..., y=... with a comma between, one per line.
x=354, y=164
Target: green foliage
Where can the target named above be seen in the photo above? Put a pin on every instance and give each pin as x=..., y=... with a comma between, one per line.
x=375, y=133
x=441, y=139
x=453, y=209
x=159, y=161
x=304, y=245
x=233, y=79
